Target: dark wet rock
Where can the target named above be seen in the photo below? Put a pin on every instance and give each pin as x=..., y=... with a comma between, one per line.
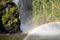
x=9, y=18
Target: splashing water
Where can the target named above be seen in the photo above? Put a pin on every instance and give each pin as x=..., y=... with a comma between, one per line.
x=25, y=16
x=50, y=31
x=16, y=2
x=46, y=31
x=27, y=22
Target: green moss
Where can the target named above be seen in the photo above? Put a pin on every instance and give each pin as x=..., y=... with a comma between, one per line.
x=49, y=9
x=9, y=14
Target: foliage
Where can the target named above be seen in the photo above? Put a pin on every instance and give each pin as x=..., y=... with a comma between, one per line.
x=9, y=15
x=49, y=10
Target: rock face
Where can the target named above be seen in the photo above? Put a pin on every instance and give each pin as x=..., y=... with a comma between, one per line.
x=49, y=31
x=9, y=17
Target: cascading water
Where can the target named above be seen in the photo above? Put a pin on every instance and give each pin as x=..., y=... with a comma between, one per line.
x=49, y=31
x=26, y=14
x=25, y=11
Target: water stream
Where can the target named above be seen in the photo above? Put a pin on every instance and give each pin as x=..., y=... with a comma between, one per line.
x=27, y=24
x=25, y=15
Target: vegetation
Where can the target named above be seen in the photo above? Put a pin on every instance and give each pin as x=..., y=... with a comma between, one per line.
x=9, y=15
x=43, y=11
x=49, y=10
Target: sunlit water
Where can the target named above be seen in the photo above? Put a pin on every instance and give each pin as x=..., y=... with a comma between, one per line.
x=25, y=17
x=50, y=31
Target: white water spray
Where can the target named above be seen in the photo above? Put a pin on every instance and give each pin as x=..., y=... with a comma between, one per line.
x=16, y=2
x=49, y=31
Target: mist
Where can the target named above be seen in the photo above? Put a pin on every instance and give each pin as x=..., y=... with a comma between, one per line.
x=49, y=31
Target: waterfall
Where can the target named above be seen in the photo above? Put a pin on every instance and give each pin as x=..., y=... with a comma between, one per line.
x=25, y=11
x=16, y=2
x=26, y=15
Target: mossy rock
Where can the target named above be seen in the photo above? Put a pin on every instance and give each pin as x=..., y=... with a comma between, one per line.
x=9, y=17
